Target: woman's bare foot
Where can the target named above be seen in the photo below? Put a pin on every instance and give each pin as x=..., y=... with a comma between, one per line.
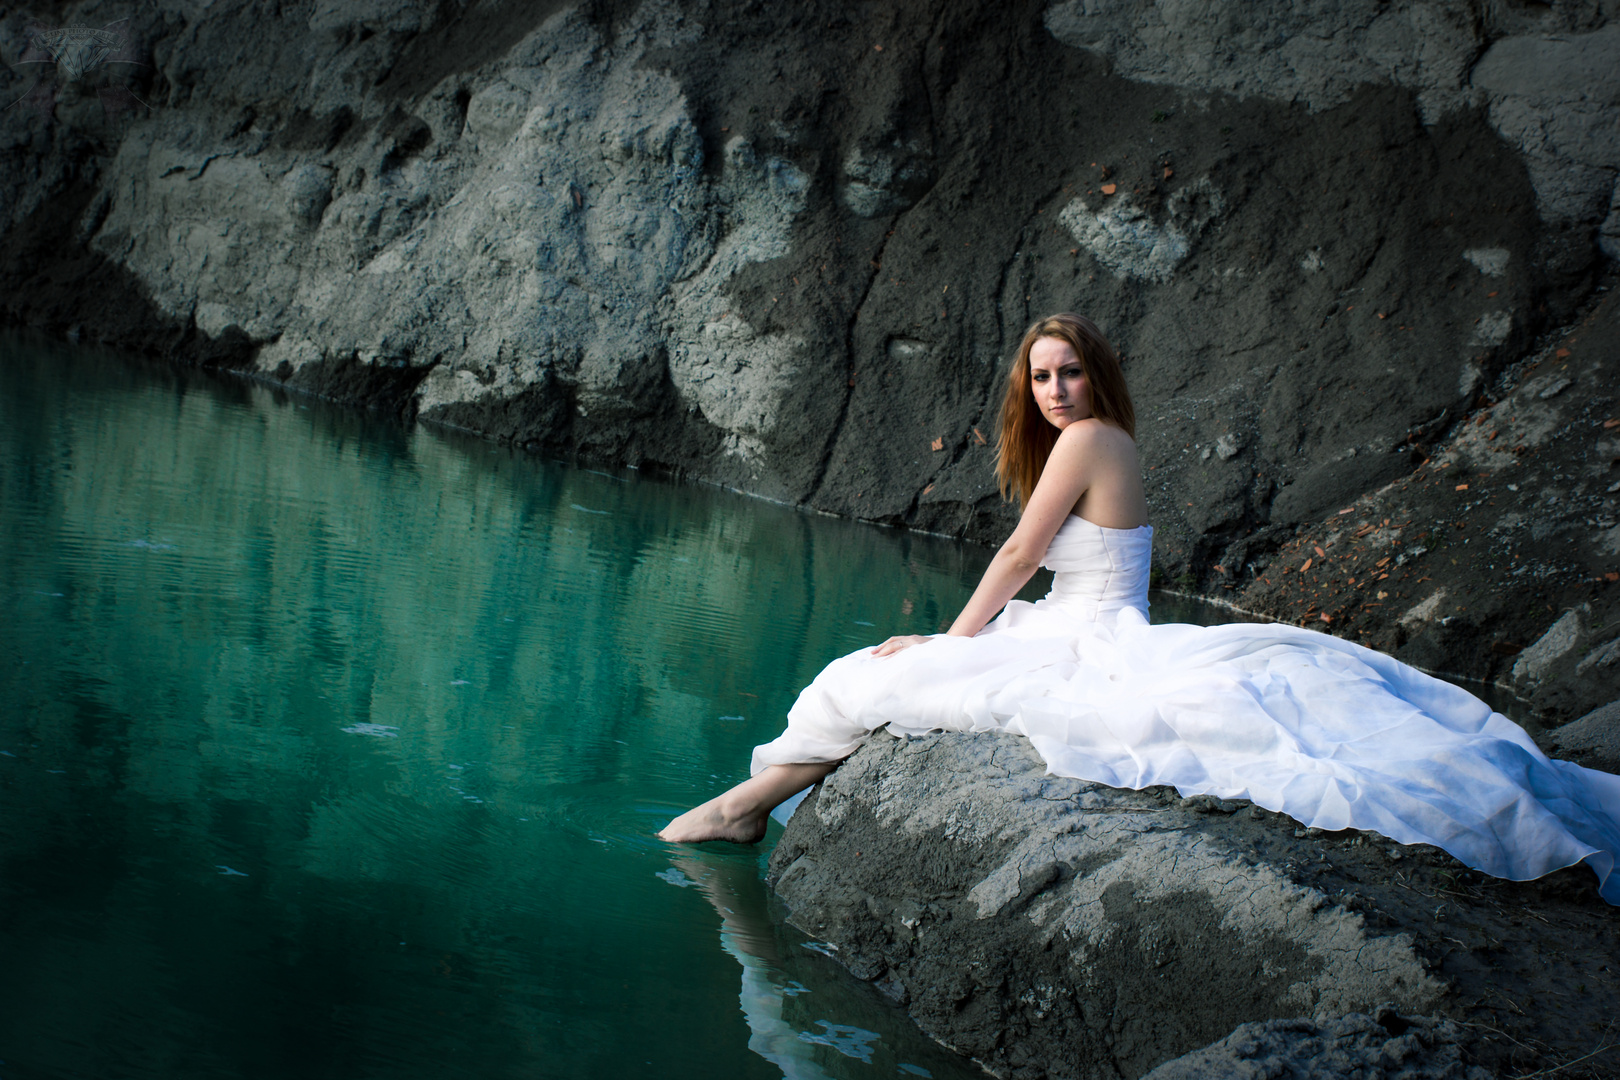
x=711, y=821
x=739, y=815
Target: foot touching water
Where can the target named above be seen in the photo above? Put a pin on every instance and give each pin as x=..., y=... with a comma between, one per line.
x=711, y=821
x=738, y=815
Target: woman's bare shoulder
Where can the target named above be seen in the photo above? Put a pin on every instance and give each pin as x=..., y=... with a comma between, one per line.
x=1094, y=434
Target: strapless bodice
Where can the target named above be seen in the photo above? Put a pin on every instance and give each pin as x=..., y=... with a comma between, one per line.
x=1098, y=570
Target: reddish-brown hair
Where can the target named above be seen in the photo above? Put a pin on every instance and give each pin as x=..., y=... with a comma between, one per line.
x=1026, y=437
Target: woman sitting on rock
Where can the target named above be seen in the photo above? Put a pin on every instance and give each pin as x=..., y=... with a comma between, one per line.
x=1331, y=733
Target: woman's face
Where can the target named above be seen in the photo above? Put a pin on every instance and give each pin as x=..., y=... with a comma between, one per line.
x=1058, y=382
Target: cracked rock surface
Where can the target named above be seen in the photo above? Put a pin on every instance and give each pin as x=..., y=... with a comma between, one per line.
x=1048, y=927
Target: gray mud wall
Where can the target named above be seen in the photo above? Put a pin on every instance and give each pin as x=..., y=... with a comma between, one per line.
x=789, y=247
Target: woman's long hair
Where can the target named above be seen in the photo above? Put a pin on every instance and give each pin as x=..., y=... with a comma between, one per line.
x=1026, y=437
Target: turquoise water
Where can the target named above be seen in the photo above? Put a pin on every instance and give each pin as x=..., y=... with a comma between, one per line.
x=330, y=748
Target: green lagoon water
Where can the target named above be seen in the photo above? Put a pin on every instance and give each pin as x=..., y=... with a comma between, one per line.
x=332, y=748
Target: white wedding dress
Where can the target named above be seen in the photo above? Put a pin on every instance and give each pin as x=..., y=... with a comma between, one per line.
x=1333, y=734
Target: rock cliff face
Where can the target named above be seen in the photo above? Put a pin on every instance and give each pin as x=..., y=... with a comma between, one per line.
x=1049, y=927
x=788, y=248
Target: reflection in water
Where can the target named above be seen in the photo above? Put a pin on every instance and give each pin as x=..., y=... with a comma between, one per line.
x=331, y=749
x=746, y=938
x=789, y=990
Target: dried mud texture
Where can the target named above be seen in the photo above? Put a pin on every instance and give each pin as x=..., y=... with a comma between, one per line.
x=1048, y=927
x=1592, y=741
x=788, y=248
x=1365, y=1047
x=1497, y=558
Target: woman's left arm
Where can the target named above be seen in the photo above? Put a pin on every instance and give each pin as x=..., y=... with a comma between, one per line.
x=1065, y=478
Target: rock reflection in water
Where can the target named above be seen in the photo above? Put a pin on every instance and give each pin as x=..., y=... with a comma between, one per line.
x=334, y=749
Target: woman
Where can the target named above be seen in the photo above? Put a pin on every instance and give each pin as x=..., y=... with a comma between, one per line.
x=1329, y=732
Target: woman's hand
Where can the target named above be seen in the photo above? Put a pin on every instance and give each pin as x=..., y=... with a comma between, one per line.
x=895, y=644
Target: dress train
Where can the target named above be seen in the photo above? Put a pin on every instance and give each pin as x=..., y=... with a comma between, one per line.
x=1331, y=733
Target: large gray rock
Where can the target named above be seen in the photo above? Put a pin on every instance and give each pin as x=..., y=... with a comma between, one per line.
x=1028, y=917
x=1051, y=927
x=1555, y=96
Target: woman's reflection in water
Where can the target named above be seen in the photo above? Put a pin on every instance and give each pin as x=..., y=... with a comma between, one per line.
x=797, y=1033
x=734, y=888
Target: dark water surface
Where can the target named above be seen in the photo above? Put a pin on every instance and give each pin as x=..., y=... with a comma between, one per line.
x=334, y=749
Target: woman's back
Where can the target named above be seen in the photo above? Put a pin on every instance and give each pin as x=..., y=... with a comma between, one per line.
x=1113, y=496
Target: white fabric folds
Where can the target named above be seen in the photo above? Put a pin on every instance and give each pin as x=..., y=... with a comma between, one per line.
x=1331, y=733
